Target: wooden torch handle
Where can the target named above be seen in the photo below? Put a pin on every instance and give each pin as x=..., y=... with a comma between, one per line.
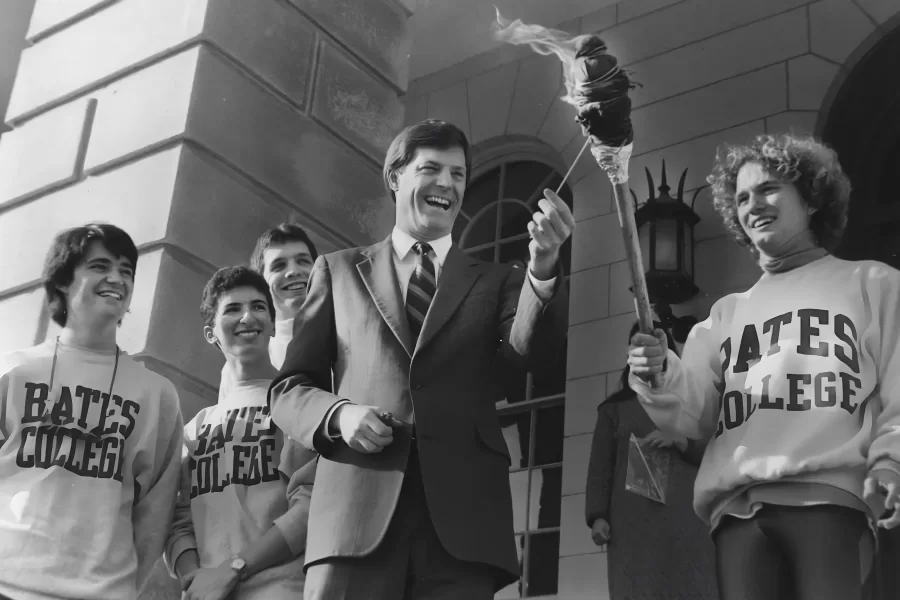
x=635, y=263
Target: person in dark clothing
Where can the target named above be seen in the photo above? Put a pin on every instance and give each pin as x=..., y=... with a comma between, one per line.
x=658, y=551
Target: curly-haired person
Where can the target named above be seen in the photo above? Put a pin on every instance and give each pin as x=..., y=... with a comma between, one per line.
x=795, y=382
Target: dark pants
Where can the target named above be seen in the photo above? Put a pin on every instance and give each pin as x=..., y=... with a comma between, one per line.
x=794, y=553
x=409, y=564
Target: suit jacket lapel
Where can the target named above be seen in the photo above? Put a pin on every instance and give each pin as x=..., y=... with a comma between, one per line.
x=457, y=277
x=380, y=277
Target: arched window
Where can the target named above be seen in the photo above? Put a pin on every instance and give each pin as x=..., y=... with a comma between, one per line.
x=499, y=203
x=500, y=200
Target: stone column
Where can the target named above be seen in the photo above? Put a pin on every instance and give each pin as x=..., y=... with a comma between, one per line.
x=13, y=24
x=194, y=125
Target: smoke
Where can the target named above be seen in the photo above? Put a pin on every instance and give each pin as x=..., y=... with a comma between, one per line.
x=595, y=83
x=544, y=41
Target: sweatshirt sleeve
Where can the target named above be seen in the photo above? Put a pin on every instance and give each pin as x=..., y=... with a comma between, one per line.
x=884, y=453
x=298, y=466
x=156, y=488
x=6, y=365
x=687, y=401
x=182, y=538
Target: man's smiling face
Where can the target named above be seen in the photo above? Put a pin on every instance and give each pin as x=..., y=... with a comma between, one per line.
x=286, y=268
x=771, y=212
x=101, y=286
x=429, y=192
x=243, y=324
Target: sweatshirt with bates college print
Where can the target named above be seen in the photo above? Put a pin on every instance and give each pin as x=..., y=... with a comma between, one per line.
x=796, y=380
x=88, y=479
x=240, y=476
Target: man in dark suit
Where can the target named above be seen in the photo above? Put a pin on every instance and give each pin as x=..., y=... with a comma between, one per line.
x=412, y=498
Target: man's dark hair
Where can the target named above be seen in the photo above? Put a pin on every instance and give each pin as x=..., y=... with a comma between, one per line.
x=430, y=133
x=277, y=236
x=68, y=250
x=227, y=279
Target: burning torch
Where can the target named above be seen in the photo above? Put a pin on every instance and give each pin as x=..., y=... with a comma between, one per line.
x=598, y=89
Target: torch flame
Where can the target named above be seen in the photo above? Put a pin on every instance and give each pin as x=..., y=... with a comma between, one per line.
x=543, y=41
x=598, y=88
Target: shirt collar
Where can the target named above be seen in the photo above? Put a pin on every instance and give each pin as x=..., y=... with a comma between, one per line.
x=403, y=243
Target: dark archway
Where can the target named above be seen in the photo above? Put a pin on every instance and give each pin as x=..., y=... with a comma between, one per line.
x=863, y=125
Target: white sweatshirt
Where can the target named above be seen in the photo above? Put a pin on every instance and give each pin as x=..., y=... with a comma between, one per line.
x=84, y=516
x=240, y=477
x=795, y=380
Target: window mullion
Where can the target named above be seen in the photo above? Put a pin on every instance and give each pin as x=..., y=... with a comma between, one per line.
x=498, y=228
x=532, y=441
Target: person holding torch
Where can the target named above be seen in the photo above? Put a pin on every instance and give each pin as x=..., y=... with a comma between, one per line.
x=795, y=382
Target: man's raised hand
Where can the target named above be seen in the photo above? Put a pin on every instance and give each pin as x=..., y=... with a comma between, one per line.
x=550, y=227
x=361, y=428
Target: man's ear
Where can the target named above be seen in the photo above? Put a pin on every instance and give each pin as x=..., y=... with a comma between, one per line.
x=210, y=335
x=392, y=177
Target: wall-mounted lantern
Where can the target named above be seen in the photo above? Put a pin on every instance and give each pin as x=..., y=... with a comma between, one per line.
x=666, y=232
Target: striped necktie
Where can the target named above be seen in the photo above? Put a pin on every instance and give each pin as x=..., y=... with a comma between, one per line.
x=422, y=286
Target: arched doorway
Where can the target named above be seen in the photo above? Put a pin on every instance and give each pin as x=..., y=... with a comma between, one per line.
x=862, y=122
x=863, y=125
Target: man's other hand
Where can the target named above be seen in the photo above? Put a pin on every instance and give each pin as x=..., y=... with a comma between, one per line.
x=361, y=428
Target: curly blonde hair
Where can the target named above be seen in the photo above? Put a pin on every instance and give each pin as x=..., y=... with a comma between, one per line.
x=812, y=167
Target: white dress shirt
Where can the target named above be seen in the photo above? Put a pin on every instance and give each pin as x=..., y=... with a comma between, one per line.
x=405, y=263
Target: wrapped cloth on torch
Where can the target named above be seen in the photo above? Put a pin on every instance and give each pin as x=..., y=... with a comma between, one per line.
x=597, y=86
x=600, y=93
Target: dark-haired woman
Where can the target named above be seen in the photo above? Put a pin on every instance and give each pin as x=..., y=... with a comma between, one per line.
x=659, y=551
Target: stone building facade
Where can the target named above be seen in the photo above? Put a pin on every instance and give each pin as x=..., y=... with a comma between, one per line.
x=196, y=124
x=713, y=72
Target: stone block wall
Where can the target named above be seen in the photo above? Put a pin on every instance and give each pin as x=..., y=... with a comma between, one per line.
x=194, y=125
x=713, y=71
